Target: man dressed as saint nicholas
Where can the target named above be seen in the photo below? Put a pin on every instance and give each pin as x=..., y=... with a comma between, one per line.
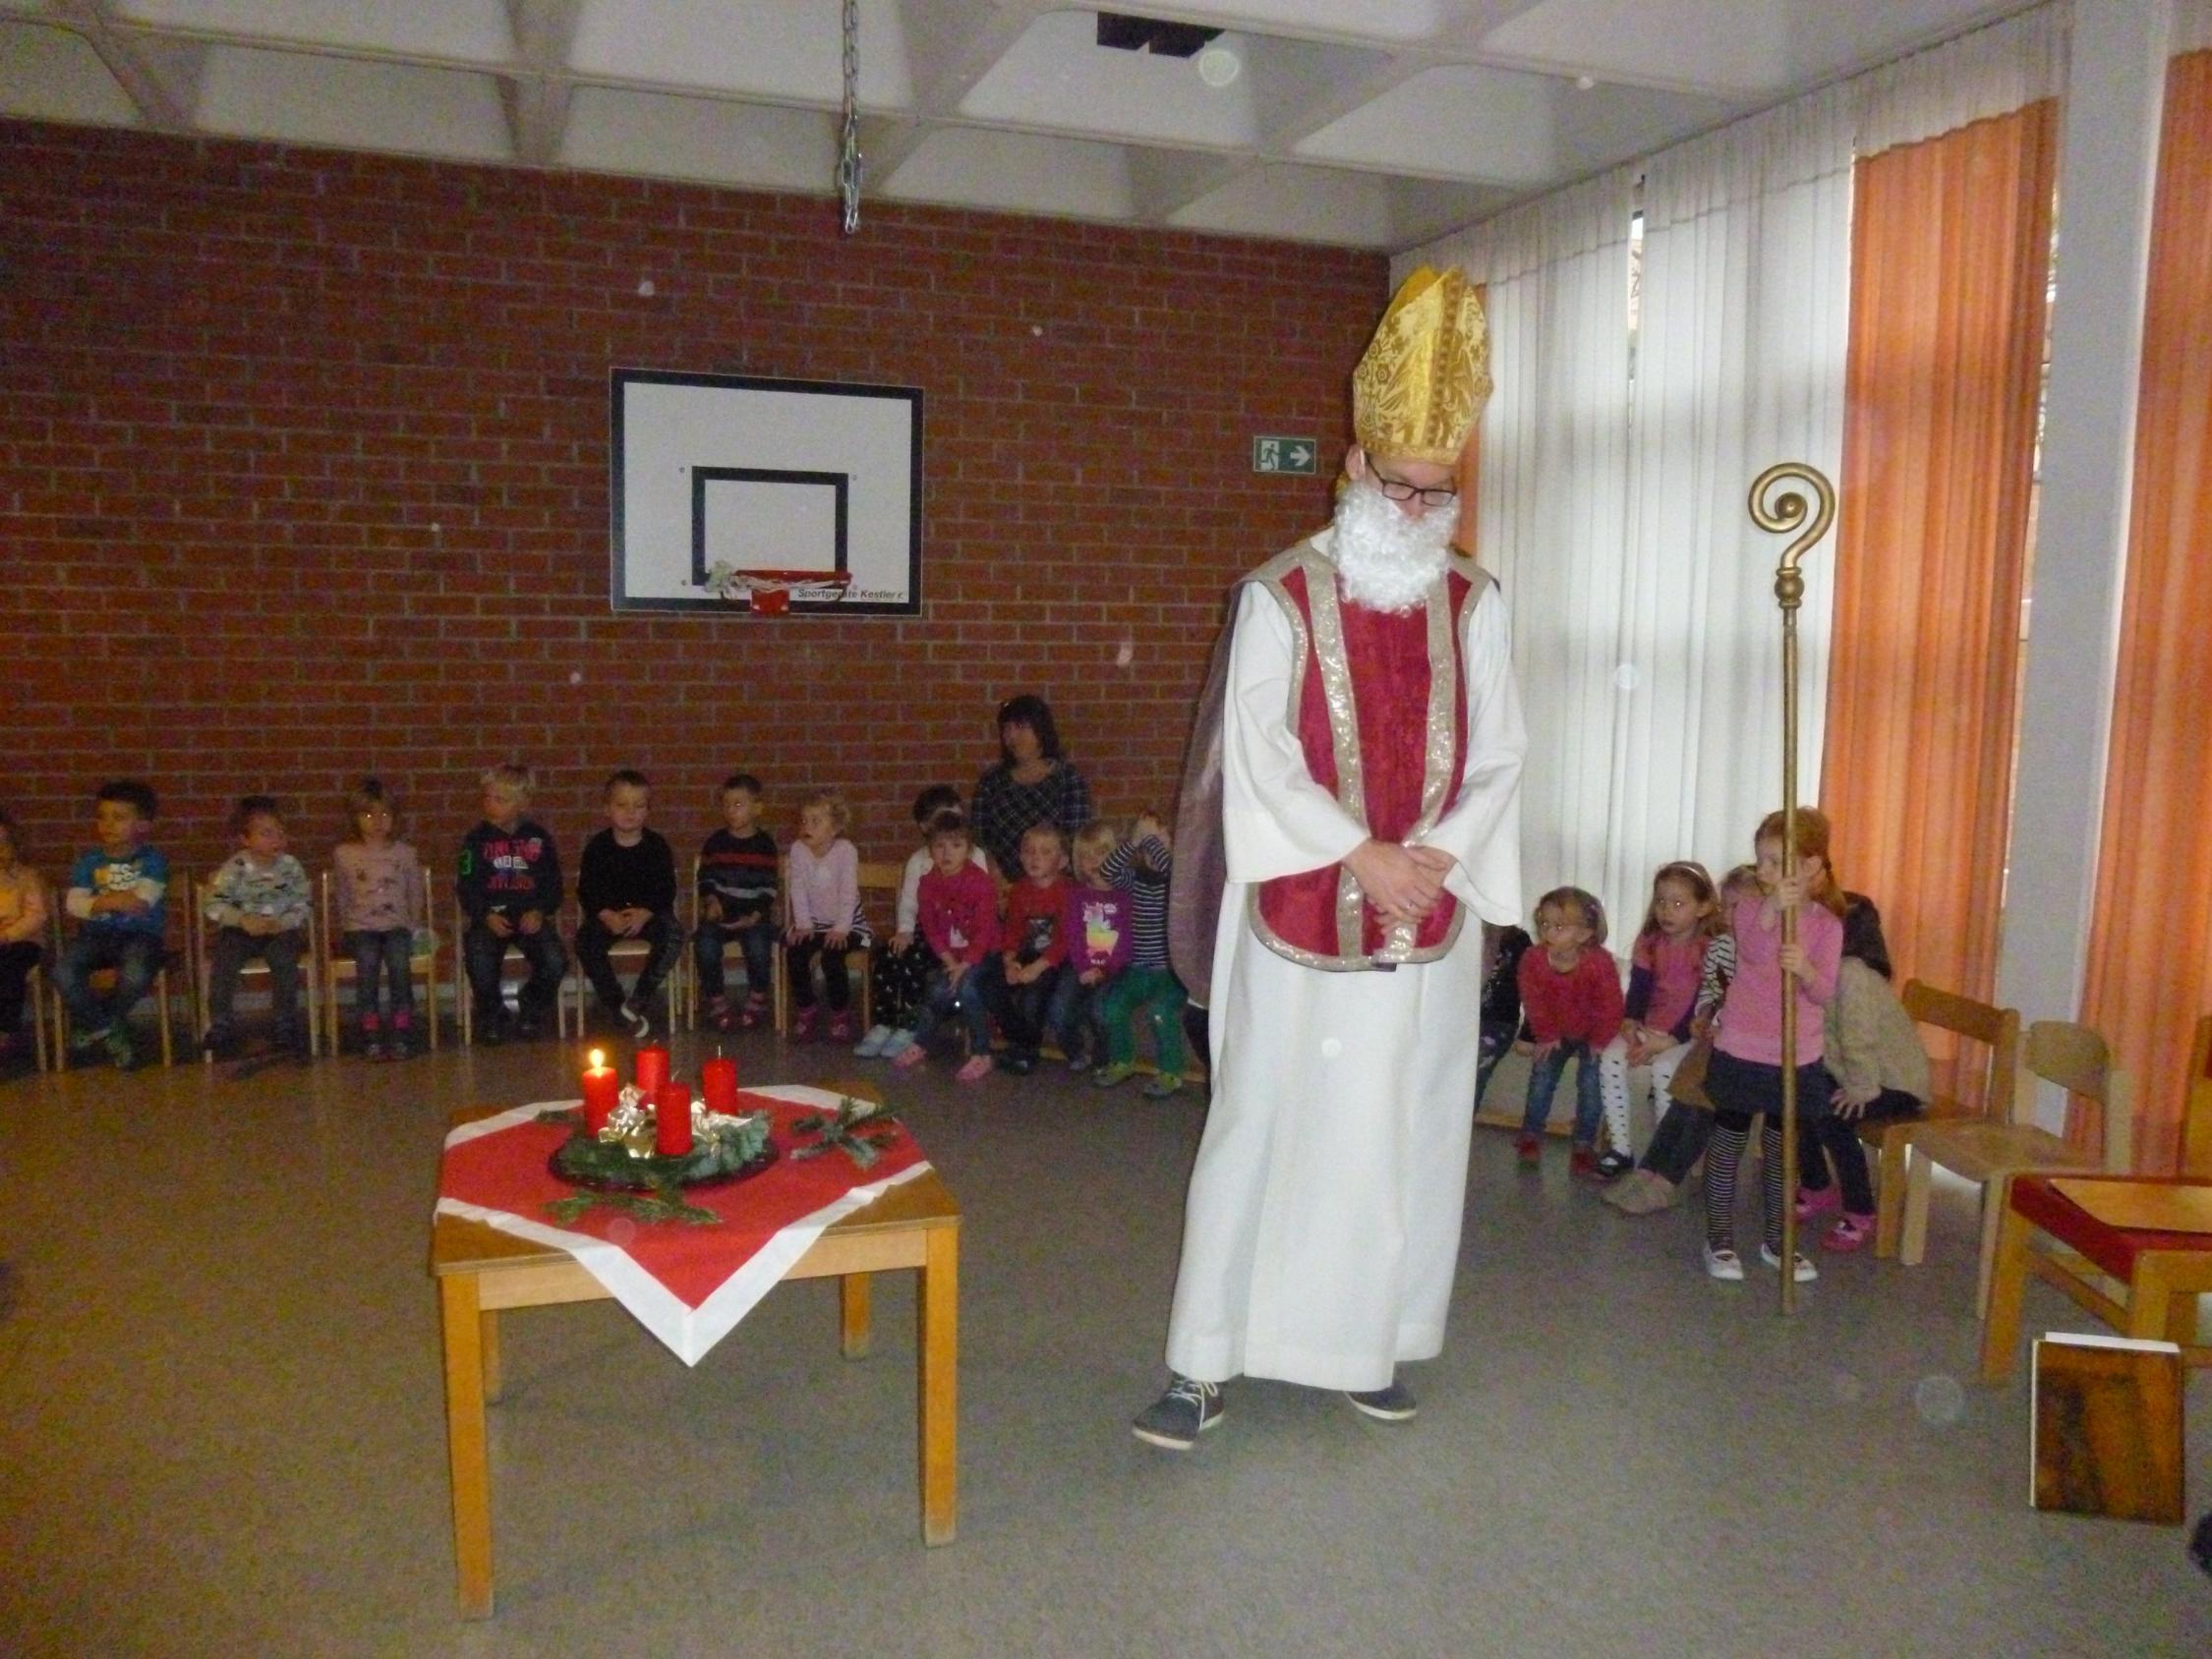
x=1357, y=766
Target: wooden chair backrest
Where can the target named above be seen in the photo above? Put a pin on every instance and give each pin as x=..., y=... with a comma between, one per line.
x=1997, y=1029
x=2100, y=1099
x=2197, y=1127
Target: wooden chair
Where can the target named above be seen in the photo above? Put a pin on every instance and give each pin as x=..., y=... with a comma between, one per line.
x=2197, y=1127
x=632, y=956
x=1992, y=1150
x=164, y=982
x=1995, y=1029
x=464, y=999
x=874, y=879
x=335, y=965
x=311, y=997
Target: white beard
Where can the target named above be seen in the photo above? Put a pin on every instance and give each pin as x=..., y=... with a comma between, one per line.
x=1386, y=557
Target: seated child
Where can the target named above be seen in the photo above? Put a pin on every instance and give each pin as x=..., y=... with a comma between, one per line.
x=958, y=919
x=378, y=887
x=1099, y=934
x=1664, y=969
x=510, y=889
x=116, y=893
x=738, y=886
x=1501, y=1024
x=1570, y=989
x=23, y=928
x=625, y=888
x=900, y=971
x=1880, y=1072
x=1148, y=987
x=826, y=916
x=1017, y=984
x=258, y=902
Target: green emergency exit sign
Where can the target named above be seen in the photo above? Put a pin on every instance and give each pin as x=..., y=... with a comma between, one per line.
x=1285, y=455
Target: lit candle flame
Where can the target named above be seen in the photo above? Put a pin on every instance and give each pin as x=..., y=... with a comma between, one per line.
x=599, y=1059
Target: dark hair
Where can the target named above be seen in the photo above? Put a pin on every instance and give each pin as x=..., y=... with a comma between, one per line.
x=743, y=780
x=937, y=798
x=1698, y=879
x=251, y=807
x=1862, y=934
x=367, y=794
x=132, y=793
x=630, y=778
x=949, y=823
x=1032, y=711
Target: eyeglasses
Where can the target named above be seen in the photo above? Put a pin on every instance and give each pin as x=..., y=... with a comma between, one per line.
x=1398, y=489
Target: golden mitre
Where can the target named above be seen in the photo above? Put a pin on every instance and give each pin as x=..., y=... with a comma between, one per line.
x=1426, y=373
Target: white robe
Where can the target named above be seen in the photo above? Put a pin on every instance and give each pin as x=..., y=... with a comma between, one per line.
x=1322, y=1224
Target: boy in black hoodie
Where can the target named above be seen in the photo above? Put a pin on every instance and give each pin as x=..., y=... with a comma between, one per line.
x=510, y=889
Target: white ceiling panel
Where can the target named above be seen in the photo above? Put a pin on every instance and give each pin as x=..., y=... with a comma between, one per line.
x=1462, y=120
x=1368, y=124
x=353, y=103
x=1018, y=173
x=54, y=75
x=454, y=30
x=1057, y=75
x=759, y=146
x=790, y=50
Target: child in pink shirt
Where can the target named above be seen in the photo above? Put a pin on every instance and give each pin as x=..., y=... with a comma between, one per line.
x=958, y=919
x=1666, y=967
x=1744, y=1079
x=825, y=915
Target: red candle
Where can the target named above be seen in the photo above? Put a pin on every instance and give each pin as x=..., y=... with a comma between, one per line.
x=672, y=1117
x=718, y=1081
x=651, y=1072
x=601, y=1087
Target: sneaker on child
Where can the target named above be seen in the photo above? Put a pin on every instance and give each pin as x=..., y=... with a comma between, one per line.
x=1805, y=1271
x=638, y=1021
x=870, y=1045
x=1723, y=1264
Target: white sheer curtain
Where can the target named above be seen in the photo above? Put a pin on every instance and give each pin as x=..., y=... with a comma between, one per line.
x=1745, y=306
x=1993, y=71
x=1552, y=503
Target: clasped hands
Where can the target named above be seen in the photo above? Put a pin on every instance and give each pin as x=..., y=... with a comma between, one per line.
x=1402, y=883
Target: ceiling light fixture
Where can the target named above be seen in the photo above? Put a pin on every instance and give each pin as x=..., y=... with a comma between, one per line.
x=1219, y=65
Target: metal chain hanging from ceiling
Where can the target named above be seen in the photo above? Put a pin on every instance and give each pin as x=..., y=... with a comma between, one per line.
x=850, y=162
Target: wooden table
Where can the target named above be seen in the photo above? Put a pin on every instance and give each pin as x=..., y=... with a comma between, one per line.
x=482, y=1272
x=2163, y=1272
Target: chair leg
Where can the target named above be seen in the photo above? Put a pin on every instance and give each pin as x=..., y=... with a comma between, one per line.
x=2000, y=1319
x=1914, y=1244
x=1890, y=1195
x=780, y=994
x=1996, y=1197
x=162, y=1000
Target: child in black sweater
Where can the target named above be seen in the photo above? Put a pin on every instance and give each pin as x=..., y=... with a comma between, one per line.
x=509, y=890
x=627, y=889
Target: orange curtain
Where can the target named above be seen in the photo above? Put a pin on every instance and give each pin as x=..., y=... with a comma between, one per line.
x=2152, y=929
x=1950, y=253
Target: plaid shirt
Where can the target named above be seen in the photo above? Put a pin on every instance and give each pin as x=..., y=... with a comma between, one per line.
x=1005, y=808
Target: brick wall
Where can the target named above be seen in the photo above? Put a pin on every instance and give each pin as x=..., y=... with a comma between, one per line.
x=304, y=474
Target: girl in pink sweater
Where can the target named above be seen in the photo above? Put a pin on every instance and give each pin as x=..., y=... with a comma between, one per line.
x=826, y=921
x=1744, y=1079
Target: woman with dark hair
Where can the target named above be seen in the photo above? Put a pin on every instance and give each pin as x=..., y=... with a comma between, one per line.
x=1031, y=784
x=1880, y=1072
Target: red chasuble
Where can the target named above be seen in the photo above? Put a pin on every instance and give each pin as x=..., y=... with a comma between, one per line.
x=1380, y=703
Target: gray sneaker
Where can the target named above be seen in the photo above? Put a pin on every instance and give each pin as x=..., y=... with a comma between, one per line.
x=1179, y=1416
x=870, y=1045
x=638, y=1021
x=1391, y=1403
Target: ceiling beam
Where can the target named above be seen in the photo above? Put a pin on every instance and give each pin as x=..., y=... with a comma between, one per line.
x=160, y=75
x=536, y=96
x=952, y=45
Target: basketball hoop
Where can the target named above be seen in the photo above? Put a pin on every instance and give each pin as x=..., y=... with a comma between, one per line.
x=770, y=593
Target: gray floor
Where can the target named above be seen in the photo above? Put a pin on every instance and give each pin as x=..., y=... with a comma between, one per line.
x=222, y=1427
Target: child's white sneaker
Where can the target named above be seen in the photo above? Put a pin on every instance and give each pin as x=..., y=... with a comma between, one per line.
x=1723, y=1264
x=870, y=1045
x=1805, y=1271
x=897, y=1044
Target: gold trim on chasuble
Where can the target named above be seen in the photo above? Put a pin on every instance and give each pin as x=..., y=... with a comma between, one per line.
x=1324, y=649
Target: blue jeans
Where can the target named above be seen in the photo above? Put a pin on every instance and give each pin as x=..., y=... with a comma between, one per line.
x=134, y=956
x=380, y=959
x=1073, y=1014
x=484, y=952
x=941, y=1003
x=1544, y=1081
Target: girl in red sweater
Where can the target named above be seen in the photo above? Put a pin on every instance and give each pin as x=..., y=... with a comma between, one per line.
x=1570, y=994
x=960, y=921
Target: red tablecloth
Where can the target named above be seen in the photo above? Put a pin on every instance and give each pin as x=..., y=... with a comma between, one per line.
x=687, y=1284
